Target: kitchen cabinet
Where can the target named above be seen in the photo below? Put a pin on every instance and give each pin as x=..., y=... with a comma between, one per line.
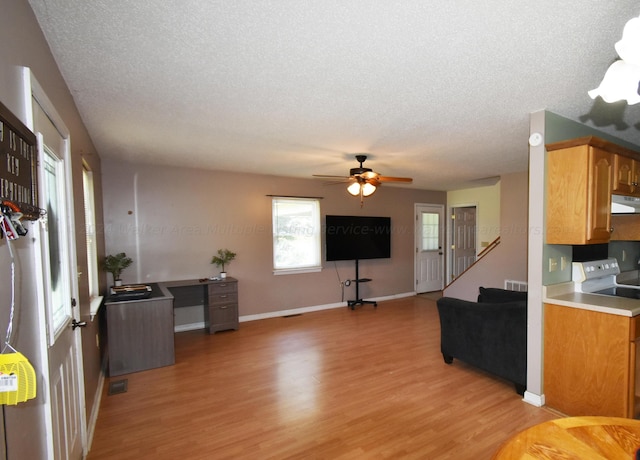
x=590, y=362
x=582, y=174
x=625, y=227
x=626, y=175
x=579, y=184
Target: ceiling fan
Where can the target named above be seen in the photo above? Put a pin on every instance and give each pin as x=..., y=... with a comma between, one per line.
x=364, y=181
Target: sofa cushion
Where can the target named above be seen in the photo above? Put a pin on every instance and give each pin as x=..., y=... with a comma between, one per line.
x=497, y=295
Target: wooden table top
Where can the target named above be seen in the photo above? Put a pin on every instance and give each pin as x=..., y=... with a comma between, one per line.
x=606, y=438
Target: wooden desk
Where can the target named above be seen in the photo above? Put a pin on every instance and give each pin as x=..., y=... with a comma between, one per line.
x=219, y=299
x=597, y=438
x=140, y=333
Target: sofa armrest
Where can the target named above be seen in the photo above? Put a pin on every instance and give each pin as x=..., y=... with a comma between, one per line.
x=491, y=336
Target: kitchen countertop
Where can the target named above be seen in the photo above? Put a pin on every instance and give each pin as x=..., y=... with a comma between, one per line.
x=563, y=294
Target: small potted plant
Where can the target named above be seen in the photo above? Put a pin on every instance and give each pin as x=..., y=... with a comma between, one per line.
x=223, y=258
x=115, y=265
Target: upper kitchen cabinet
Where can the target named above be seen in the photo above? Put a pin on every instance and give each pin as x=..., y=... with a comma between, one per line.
x=626, y=175
x=579, y=184
x=582, y=174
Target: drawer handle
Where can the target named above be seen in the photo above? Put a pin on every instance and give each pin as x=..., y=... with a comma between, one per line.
x=223, y=296
x=222, y=285
x=224, y=308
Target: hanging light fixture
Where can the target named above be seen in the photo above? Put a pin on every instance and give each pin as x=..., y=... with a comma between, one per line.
x=361, y=187
x=365, y=188
x=622, y=79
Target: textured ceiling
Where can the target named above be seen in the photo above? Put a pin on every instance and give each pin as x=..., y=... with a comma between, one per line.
x=437, y=90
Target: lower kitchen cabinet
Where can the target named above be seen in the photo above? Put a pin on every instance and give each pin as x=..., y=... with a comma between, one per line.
x=590, y=362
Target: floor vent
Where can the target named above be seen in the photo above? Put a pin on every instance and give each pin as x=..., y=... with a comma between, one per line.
x=117, y=387
x=513, y=285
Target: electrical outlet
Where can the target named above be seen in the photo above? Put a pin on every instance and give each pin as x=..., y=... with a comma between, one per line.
x=553, y=264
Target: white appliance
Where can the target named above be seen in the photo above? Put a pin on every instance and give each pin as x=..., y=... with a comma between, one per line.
x=599, y=277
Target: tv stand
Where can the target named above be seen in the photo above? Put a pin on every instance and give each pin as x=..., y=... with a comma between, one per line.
x=358, y=301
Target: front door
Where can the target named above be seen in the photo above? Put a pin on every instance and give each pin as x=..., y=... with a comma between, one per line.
x=463, y=228
x=58, y=286
x=429, y=262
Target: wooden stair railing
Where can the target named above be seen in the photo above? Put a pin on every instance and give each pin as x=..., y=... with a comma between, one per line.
x=480, y=255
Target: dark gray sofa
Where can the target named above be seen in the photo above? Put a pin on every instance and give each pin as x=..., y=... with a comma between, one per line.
x=490, y=334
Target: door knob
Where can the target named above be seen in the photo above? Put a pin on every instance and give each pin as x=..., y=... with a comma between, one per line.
x=75, y=324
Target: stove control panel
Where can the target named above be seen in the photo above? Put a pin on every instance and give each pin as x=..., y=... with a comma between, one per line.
x=593, y=269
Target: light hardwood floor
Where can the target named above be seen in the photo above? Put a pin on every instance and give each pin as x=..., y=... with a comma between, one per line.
x=335, y=384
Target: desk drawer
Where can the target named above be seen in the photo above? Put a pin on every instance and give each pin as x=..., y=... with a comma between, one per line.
x=222, y=288
x=223, y=317
x=223, y=298
x=222, y=313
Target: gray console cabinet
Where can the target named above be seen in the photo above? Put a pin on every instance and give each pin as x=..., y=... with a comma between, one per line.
x=140, y=334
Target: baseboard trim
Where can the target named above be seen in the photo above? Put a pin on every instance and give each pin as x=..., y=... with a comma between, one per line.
x=292, y=311
x=534, y=399
x=93, y=418
x=329, y=306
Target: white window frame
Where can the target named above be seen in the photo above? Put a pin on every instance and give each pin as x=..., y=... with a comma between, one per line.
x=88, y=189
x=309, y=238
x=59, y=315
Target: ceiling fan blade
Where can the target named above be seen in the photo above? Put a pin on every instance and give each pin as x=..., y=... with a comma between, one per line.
x=368, y=175
x=346, y=180
x=322, y=176
x=394, y=179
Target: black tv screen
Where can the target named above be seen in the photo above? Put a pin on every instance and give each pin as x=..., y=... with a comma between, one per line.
x=358, y=237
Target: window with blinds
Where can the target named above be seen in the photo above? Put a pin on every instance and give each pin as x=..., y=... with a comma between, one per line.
x=90, y=226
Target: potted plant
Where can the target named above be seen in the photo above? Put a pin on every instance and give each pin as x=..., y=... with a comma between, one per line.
x=115, y=265
x=223, y=258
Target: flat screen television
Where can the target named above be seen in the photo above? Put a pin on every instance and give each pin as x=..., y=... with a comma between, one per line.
x=357, y=237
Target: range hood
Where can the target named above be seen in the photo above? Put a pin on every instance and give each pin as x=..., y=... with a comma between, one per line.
x=621, y=204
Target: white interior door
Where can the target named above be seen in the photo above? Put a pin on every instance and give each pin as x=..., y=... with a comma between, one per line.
x=463, y=229
x=429, y=261
x=58, y=286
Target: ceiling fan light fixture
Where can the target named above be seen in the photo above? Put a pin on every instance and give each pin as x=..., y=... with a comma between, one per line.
x=622, y=79
x=368, y=189
x=354, y=189
x=364, y=189
x=363, y=182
